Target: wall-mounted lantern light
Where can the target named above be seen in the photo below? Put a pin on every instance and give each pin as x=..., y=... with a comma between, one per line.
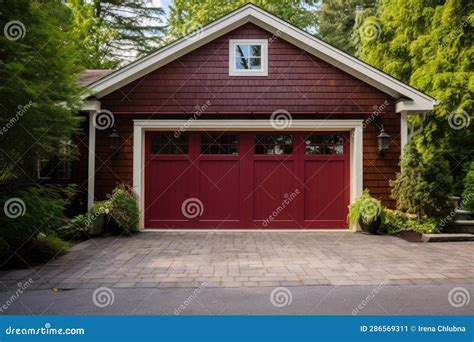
x=114, y=142
x=383, y=141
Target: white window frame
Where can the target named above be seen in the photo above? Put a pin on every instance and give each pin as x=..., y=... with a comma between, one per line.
x=264, y=58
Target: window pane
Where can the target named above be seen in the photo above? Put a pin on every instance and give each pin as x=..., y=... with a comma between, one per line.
x=324, y=144
x=167, y=143
x=255, y=51
x=219, y=144
x=242, y=50
x=274, y=144
x=255, y=63
x=337, y=149
x=241, y=64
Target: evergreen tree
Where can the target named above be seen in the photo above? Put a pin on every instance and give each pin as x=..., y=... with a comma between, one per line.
x=115, y=32
x=428, y=44
x=423, y=185
x=39, y=94
x=187, y=16
x=337, y=19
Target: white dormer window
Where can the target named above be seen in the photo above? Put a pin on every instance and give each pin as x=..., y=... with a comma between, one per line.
x=248, y=57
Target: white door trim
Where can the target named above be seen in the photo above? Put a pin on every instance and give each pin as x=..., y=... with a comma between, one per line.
x=140, y=126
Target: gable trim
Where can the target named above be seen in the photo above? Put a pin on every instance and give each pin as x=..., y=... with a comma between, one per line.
x=417, y=100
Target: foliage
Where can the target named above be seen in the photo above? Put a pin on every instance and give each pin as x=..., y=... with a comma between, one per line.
x=76, y=228
x=337, y=19
x=468, y=194
x=366, y=208
x=40, y=95
x=124, y=209
x=187, y=16
x=42, y=209
x=114, y=31
x=84, y=226
x=117, y=215
x=35, y=251
x=428, y=44
x=396, y=222
x=424, y=184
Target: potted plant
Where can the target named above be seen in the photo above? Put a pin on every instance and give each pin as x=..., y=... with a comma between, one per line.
x=367, y=212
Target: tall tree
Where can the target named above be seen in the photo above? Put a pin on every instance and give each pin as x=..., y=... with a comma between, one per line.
x=337, y=19
x=187, y=16
x=39, y=94
x=115, y=32
x=428, y=44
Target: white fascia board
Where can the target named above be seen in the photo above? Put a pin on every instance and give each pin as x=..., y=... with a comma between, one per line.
x=91, y=105
x=413, y=106
x=279, y=28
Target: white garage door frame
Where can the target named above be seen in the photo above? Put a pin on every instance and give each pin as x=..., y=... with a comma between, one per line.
x=141, y=126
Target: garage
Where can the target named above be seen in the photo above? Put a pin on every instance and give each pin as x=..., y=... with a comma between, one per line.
x=246, y=180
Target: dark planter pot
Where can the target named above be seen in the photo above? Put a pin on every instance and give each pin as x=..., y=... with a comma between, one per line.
x=372, y=227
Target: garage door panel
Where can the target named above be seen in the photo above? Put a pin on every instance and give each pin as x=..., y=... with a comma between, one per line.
x=273, y=183
x=219, y=189
x=247, y=180
x=168, y=185
x=325, y=190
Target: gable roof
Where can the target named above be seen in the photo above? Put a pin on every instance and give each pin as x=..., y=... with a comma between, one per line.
x=410, y=99
x=92, y=75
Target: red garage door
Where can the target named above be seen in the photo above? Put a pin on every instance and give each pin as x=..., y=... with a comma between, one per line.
x=246, y=180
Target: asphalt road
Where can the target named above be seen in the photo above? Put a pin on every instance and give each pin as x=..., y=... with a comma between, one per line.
x=306, y=300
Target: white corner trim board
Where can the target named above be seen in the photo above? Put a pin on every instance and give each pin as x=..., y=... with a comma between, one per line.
x=403, y=130
x=91, y=161
x=141, y=126
x=410, y=98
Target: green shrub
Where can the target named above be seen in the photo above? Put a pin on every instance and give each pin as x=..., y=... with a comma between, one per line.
x=396, y=222
x=35, y=251
x=84, y=226
x=124, y=210
x=76, y=228
x=366, y=208
x=468, y=193
x=424, y=184
x=35, y=209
